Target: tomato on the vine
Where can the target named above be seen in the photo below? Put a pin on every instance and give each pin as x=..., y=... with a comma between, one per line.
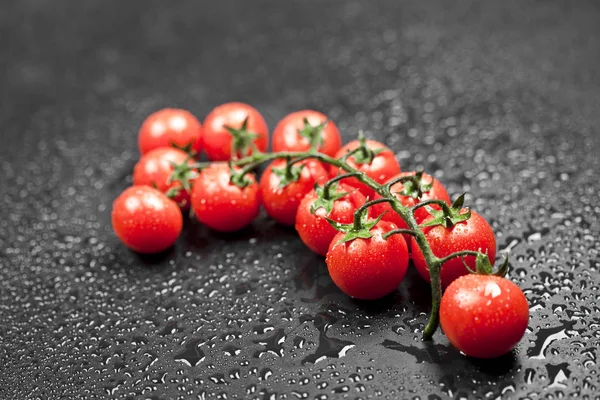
x=484, y=316
x=296, y=131
x=146, y=220
x=370, y=268
x=222, y=204
x=157, y=167
x=282, y=187
x=472, y=234
x=170, y=127
x=234, y=130
x=410, y=194
x=381, y=167
x=313, y=228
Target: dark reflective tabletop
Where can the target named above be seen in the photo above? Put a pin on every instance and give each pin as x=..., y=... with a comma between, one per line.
x=499, y=99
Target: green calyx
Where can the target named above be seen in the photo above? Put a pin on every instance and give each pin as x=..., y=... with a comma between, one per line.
x=483, y=265
x=326, y=197
x=313, y=133
x=361, y=227
x=363, y=154
x=288, y=174
x=448, y=216
x=239, y=178
x=243, y=140
x=185, y=174
x=415, y=187
x=352, y=231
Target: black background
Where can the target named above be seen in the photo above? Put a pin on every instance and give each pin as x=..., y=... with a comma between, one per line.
x=499, y=99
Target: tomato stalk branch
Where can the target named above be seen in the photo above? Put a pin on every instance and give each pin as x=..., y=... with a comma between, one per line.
x=329, y=183
x=406, y=213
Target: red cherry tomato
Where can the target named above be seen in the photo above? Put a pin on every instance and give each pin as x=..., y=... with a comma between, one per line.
x=473, y=234
x=435, y=192
x=170, y=127
x=146, y=220
x=222, y=205
x=368, y=268
x=381, y=169
x=484, y=316
x=218, y=141
x=289, y=134
x=314, y=230
x=281, y=203
x=156, y=167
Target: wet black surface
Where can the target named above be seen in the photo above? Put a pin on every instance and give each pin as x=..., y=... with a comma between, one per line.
x=499, y=98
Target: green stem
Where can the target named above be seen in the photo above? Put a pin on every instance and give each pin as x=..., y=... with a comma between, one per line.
x=445, y=207
x=458, y=254
x=402, y=179
x=358, y=214
x=398, y=231
x=327, y=186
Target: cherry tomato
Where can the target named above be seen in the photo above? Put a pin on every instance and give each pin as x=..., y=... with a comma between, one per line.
x=383, y=166
x=219, y=142
x=435, y=192
x=170, y=127
x=281, y=203
x=314, y=230
x=155, y=169
x=292, y=133
x=221, y=204
x=484, y=316
x=368, y=268
x=473, y=234
x=146, y=220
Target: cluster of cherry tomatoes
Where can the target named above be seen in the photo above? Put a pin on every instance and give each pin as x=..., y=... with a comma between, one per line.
x=482, y=315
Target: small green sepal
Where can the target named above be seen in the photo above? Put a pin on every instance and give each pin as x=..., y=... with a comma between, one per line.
x=288, y=174
x=243, y=140
x=364, y=154
x=313, y=133
x=326, y=200
x=448, y=216
x=352, y=232
x=238, y=178
x=416, y=187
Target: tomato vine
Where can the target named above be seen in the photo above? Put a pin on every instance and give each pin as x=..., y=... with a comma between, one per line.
x=448, y=214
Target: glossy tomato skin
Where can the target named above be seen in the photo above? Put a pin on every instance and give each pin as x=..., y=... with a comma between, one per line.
x=282, y=203
x=472, y=234
x=170, y=127
x=222, y=205
x=155, y=168
x=287, y=138
x=371, y=268
x=146, y=220
x=381, y=169
x=314, y=230
x=217, y=140
x=484, y=316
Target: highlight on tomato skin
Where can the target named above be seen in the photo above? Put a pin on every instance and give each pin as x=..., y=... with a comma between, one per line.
x=313, y=228
x=383, y=166
x=155, y=169
x=145, y=220
x=484, y=316
x=232, y=125
x=368, y=269
x=473, y=234
x=291, y=133
x=170, y=127
x=222, y=205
